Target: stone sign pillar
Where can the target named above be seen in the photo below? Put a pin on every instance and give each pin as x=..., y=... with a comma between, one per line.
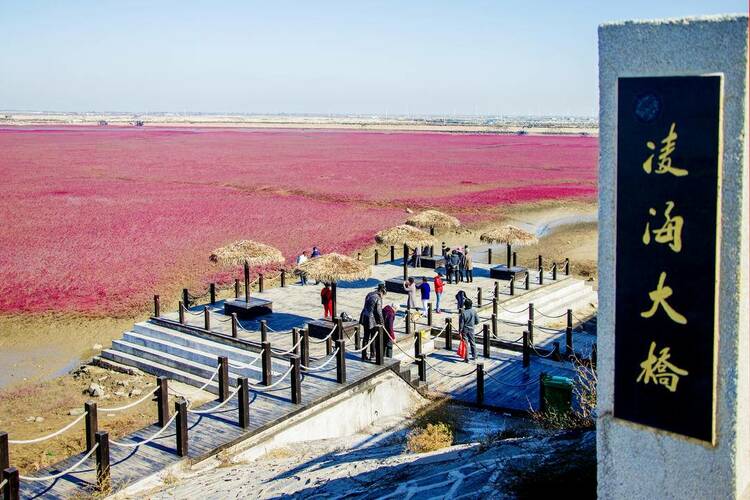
x=674, y=260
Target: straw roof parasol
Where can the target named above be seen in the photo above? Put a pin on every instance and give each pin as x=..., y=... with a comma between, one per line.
x=433, y=218
x=256, y=254
x=509, y=235
x=404, y=234
x=333, y=267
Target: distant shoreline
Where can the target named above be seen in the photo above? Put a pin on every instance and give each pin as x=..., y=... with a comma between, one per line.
x=449, y=125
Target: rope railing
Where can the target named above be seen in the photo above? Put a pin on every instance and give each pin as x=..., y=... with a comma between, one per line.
x=218, y=406
x=48, y=436
x=406, y=353
x=368, y=344
x=533, y=348
x=320, y=341
x=242, y=366
x=2, y=484
x=213, y=376
x=277, y=331
x=130, y=405
x=259, y=388
x=511, y=311
x=153, y=436
x=551, y=316
x=63, y=473
x=531, y=382
x=291, y=350
x=451, y=375
x=319, y=368
x=439, y=333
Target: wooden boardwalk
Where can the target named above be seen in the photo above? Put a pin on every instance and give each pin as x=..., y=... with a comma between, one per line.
x=508, y=385
x=207, y=433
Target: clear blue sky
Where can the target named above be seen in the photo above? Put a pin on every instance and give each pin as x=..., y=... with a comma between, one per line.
x=418, y=57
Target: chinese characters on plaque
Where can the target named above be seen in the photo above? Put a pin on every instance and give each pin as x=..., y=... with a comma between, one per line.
x=667, y=225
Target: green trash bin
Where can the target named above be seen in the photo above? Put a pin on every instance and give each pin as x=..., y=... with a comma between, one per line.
x=555, y=393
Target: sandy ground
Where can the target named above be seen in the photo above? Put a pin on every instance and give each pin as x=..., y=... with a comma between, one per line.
x=36, y=352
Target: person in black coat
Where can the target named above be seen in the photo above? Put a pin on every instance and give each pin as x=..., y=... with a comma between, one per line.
x=371, y=316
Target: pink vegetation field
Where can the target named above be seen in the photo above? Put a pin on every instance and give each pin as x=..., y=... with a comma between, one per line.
x=96, y=220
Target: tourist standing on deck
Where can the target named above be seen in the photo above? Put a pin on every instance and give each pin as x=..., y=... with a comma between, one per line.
x=424, y=288
x=455, y=265
x=326, y=298
x=411, y=294
x=301, y=259
x=468, y=265
x=467, y=320
x=389, y=317
x=438, y=281
x=371, y=316
x=460, y=299
x=416, y=259
x=448, y=264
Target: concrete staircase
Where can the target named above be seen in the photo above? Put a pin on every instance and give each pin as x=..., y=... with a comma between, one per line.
x=161, y=351
x=552, y=299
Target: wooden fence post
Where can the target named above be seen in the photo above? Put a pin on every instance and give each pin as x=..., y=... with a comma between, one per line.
x=266, y=362
x=234, y=325
x=486, y=340
x=515, y=259
x=449, y=334
x=429, y=314
x=283, y=278
x=507, y=255
x=103, y=477
x=377, y=257
x=305, y=347
x=185, y=297
x=494, y=306
x=422, y=368
x=530, y=323
x=340, y=329
x=512, y=286
x=527, y=281
x=181, y=430
x=329, y=345
x=181, y=308
x=212, y=293
x=263, y=331
x=236, y=288
x=261, y=282
x=432, y=250
x=489, y=256
x=406, y=261
x=393, y=253
x=243, y=402
x=206, y=319
x=554, y=271
x=162, y=398
x=525, y=349
x=157, y=306
x=223, y=378
x=479, y=296
x=417, y=342
x=494, y=325
x=4, y=451
x=567, y=267
x=92, y=424
x=480, y=383
x=296, y=380
x=341, y=361
x=496, y=292
x=12, y=489
x=295, y=342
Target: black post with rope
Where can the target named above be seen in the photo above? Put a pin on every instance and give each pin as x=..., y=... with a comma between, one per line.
x=479, y=296
x=92, y=424
x=422, y=368
x=265, y=362
x=212, y=293
x=494, y=325
x=13, y=487
x=236, y=289
x=569, y=334
x=393, y=253
x=283, y=278
x=527, y=281
x=157, y=306
x=162, y=400
x=4, y=451
x=243, y=402
x=181, y=313
x=181, y=427
x=449, y=334
x=341, y=361
x=223, y=378
x=103, y=473
x=234, y=325
x=429, y=314
x=185, y=297
x=206, y=319
x=305, y=346
x=377, y=257
x=295, y=341
x=263, y=331
x=296, y=384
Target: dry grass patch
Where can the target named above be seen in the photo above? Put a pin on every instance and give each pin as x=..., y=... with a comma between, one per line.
x=431, y=438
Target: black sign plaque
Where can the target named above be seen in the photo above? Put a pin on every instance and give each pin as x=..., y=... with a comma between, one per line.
x=668, y=149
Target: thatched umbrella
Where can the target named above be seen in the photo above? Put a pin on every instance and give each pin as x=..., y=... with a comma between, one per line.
x=407, y=236
x=431, y=219
x=334, y=267
x=510, y=235
x=249, y=253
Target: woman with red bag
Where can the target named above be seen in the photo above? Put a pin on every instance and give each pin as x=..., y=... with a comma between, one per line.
x=467, y=320
x=326, y=298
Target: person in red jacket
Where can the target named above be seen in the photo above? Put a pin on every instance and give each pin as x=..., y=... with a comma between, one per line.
x=326, y=298
x=438, y=281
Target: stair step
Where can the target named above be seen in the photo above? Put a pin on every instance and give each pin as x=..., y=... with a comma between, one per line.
x=158, y=369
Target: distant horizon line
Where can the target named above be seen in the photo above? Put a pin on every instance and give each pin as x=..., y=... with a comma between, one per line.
x=385, y=115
